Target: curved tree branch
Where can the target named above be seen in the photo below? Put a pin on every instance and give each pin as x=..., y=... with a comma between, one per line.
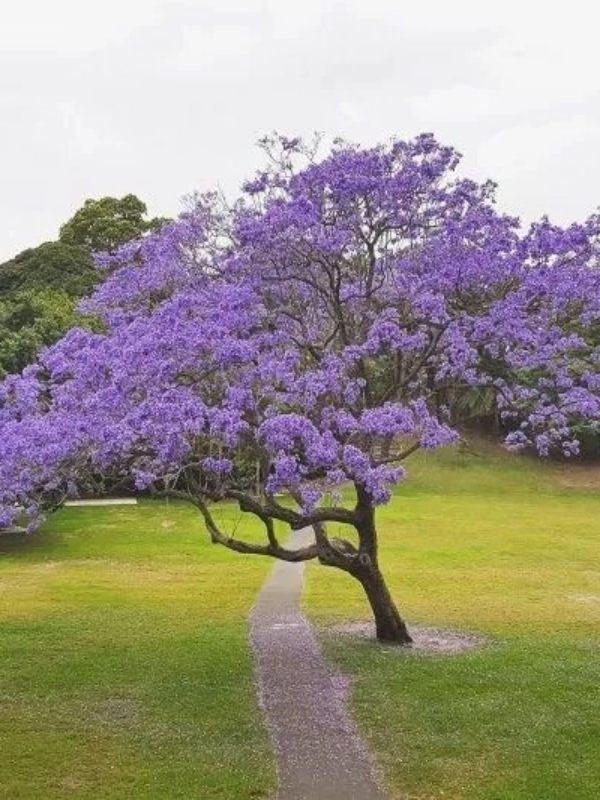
x=272, y=549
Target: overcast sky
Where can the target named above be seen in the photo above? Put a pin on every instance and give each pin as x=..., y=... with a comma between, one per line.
x=163, y=97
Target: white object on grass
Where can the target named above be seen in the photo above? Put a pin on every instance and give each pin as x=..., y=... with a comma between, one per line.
x=104, y=501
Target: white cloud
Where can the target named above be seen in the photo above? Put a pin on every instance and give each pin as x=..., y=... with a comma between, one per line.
x=202, y=47
x=522, y=149
x=72, y=27
x=543, y=168
x=350, y=110
x=161, y=97
x=84, y=139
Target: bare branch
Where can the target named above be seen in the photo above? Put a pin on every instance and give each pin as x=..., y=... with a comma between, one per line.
x=294, y=519
x=399, y=456
x=272, y=549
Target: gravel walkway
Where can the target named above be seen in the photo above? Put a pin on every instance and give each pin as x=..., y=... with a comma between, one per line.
x=319, y=752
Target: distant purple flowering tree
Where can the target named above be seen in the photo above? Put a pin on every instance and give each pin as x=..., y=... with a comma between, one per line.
x=290, y=353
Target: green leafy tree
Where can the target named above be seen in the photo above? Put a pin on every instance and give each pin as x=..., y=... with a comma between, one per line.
x=39, y=287
x=107, y=223
x=29, y=320
x=53, y=265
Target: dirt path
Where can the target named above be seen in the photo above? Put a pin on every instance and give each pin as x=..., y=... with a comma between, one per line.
x=320, y=754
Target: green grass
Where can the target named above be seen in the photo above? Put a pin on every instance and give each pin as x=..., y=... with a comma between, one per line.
x=125, y=670
x=501, y=546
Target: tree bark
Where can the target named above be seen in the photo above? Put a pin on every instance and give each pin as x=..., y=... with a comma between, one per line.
x=389, y=625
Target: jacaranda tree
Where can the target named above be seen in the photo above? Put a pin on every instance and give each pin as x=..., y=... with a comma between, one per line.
x=289, y=353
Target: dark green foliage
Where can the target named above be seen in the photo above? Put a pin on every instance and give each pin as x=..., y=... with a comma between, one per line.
x=53, y=265
x=589, y=438
x=29, y=320
x=40, y=287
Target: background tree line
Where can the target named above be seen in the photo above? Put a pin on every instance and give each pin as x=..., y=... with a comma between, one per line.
x=40, y=287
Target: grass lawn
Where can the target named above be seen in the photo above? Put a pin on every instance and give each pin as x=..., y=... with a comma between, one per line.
x=502, y=546
x=125, y=670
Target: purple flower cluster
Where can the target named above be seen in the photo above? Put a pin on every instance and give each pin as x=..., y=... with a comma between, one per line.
x=311, y=336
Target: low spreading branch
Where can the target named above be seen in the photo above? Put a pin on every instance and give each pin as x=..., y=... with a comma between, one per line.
x=272, y=549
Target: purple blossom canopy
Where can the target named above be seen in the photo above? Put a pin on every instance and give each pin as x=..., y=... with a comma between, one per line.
x=311, y=337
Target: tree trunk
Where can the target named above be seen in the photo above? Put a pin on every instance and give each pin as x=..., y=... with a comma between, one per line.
x=363, y=564
x=389, y=625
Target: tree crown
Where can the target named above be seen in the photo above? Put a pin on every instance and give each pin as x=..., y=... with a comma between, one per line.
x=309, y=337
